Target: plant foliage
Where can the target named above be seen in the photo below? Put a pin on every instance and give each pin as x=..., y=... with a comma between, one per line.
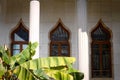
x=23, y=67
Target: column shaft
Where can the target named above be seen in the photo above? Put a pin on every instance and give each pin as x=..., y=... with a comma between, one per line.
x=34, y=24
x=83, y=38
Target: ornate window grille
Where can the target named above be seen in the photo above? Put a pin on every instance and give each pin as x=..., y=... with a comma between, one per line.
x=101, y=52
x=59, y=41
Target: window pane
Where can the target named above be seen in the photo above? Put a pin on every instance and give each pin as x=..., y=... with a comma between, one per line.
x=54, y=50
x=106, y=60
x=96, y=57
x=59, y=35
x=96, y=74
x=100, y=34
x=16, y=46
x=21, y=35
x=105, y=57
x=106, y=73
x=101, y=52
x=16, y=52
x=64, y=50
x=24, y=46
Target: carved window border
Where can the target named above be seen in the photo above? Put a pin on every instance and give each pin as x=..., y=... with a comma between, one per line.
x=101, y=25
x=19, y=26
x=59, y=42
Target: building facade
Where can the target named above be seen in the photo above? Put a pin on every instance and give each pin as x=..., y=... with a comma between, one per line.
x=85, y=29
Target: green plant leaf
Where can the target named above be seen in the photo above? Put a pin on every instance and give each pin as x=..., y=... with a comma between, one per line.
x=48, y=62
x=41, y=74
x=59, y=74
x=25, y=55
x=49, y=68
x=77, y=75
x=2, y=70
x=23, y=74
x=54, y=67
x=4, y=55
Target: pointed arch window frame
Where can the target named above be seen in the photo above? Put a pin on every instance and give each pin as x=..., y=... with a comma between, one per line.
x=100, y=71
x=19, y=45
x=59, y=44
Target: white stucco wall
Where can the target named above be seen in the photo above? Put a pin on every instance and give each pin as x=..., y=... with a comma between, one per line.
x=10, y=14
x=51, y=12
x=4, y=31
x=108, y=11
x=11, y=11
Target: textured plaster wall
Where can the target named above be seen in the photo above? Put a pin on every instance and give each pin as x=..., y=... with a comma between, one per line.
x=51, y=10
x=108, y=11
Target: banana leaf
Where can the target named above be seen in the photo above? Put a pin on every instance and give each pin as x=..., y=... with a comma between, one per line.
x=4, y=55
x=10, y=63
x=59, y=74
x=45, y=68
x=25, y=74
x=23, y=56
x=49, y=62
x=2, y=70
x=50, y=68
x=54, y=67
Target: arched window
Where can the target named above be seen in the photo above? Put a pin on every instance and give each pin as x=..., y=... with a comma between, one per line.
x=101, y=52
x=59, y=44
x=19, y=38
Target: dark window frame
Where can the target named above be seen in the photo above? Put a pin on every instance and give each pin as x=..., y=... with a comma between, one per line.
x=21, y=43
x=100, y=48
x=61, y=42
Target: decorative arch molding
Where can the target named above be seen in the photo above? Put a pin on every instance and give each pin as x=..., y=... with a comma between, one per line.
x=19, y=37
x=59, y=40
x=101, y=61
x=100, y=26
x=20, y=26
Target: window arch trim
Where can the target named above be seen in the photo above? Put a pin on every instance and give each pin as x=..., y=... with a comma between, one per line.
x=100, y=51
x=19, y=26
x=60, y=43
x=102, y=26
x=19, y=43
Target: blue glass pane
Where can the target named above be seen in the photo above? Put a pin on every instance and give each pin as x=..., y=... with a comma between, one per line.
x=25, y=46
x=16, y=46
x=64, y=50
x=21, y=35
x=16, y=52
x=54, y=50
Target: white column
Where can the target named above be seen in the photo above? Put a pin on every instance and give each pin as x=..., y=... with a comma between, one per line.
x=34, y=23
x=83, y=38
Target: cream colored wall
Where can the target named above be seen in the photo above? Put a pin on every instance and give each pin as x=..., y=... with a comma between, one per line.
x=51, y=10
x=4, y=31
x=108, y=11
x=11, y=11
